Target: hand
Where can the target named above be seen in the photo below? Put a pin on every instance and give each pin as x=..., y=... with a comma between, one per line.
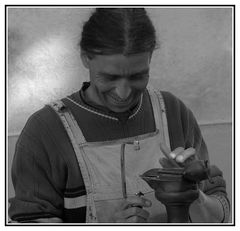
x=180, y=155
x=187, y=196
x=184, y=158
x=131, y=210
x=194, y=169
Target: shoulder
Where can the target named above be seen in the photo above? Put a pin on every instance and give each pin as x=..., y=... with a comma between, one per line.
x=173, y=102
x=173, y=105
x=176, y=110
x=168, y=97
x=41, y=128
x=40, y=119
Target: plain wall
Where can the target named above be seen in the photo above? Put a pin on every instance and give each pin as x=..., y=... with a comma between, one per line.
x=193, y=61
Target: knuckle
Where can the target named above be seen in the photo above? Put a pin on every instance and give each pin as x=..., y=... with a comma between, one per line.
x=136, y=210
x=179, y=150
x=134, y=219
x=145, y=214
x=133, y=199
x=192, y=149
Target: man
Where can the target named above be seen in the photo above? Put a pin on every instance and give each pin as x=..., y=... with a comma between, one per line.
x=79, y=159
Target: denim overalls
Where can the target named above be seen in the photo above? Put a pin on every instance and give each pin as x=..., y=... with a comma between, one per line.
x=100, y=166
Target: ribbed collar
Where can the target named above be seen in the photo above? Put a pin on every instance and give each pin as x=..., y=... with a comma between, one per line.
x=123, y=116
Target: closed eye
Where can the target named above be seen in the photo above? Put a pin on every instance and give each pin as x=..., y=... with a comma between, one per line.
x=138, y=77
x=108, y=77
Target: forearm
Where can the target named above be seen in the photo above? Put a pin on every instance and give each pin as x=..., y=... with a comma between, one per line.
x=41, y=220
x=209, y=209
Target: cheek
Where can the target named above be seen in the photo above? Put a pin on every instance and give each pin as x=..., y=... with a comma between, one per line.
x=140, y=85
x=103, y=86
x=100, y=84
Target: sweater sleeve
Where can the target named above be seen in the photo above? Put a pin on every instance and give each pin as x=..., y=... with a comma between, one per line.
x=185, y=132
x=38, y=175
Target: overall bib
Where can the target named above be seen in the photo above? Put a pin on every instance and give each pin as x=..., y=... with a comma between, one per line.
x=100, y=165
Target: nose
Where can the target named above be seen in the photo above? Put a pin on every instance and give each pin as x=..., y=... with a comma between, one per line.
x=123, y=89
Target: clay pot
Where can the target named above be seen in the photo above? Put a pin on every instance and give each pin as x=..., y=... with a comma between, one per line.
x=169, y=181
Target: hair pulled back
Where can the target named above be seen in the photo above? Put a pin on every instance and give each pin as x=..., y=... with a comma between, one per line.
x=118, y=31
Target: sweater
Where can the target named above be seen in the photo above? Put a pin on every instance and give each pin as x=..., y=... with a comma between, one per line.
x=45, y=168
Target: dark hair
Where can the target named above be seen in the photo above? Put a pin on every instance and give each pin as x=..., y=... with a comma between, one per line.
x=118, y=31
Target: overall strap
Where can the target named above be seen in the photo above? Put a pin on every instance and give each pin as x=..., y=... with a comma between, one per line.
x=78, y=141
x=160, y=116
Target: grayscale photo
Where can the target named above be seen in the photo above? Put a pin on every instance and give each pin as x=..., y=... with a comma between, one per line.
x=120, y=115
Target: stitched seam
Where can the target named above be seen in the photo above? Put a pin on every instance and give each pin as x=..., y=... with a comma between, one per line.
x=92, y=111
x=138, y=109
x=103, y=115
x=225, y=206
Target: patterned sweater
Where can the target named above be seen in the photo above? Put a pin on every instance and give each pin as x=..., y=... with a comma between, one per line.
x=45, y=169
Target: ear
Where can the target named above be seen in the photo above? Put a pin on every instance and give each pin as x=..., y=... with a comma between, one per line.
x=85, y=59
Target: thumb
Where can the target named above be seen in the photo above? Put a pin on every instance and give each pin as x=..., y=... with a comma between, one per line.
x=147, y=202
x=164, y=148
x=166, y=151
x=137, y=201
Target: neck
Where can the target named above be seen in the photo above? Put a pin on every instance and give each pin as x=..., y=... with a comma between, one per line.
x=92, y=96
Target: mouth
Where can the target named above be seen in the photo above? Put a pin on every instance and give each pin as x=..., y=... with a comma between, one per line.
x=119, y=102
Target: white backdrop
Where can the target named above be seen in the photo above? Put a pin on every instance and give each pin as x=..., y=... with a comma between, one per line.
x=193, y=61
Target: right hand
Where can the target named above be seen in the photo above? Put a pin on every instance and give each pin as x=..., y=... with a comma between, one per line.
x=131, y=210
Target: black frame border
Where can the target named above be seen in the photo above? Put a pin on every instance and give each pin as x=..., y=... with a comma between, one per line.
x=233, y=6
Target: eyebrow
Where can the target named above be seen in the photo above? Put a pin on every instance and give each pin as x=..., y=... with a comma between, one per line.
x=145, y=71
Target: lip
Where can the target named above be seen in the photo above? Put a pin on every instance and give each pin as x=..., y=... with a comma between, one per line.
x=122, y=103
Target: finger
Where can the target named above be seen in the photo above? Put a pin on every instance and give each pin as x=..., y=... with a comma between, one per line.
x=136, y=201
x=136, y=219
x=165, y=163
x=166, y=151
x=186, y=154
x=135, y=211
x=176, y=152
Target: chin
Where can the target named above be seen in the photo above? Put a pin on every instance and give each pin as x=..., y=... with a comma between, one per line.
x=118, y=110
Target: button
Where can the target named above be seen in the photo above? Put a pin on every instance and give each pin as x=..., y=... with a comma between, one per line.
x=136, y=145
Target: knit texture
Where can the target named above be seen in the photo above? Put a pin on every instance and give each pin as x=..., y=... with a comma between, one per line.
x=45, y=169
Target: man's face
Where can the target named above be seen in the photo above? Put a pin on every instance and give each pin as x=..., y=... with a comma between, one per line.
x=117, y=81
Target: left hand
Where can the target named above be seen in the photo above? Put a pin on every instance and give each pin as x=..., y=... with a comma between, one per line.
x=132, y=210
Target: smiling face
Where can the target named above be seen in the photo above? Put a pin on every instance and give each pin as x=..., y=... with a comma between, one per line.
x=117, y=81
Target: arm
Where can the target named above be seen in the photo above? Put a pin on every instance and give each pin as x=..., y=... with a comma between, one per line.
x=37, y=181
x=41, y=220
x=213, y=204
x=212, y=208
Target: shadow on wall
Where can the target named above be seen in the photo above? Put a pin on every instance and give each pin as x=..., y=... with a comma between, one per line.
x=43, y=59
x=193, y=62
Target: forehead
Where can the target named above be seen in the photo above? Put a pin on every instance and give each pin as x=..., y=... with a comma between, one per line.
x=119, y=62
